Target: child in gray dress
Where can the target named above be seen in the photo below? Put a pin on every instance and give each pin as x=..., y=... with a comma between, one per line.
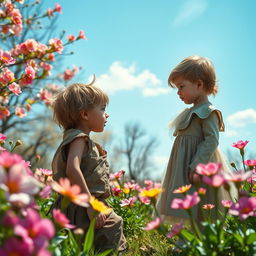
x=197, y=134
x=80, y=109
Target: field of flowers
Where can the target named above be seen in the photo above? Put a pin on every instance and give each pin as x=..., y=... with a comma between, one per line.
x=27, y=228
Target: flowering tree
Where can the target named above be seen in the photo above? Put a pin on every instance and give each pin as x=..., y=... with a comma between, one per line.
x=27, y=57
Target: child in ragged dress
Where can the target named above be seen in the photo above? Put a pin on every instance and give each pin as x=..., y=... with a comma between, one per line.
x=80, y=109
x=197, y=134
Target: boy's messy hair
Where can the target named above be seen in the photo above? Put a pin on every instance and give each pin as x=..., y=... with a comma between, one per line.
x=68, y=103
x=196, y=68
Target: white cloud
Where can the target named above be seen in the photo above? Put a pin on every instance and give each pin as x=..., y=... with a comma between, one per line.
x=121, y=78
x=231, y=133
x=189, y=11
x=242, y=118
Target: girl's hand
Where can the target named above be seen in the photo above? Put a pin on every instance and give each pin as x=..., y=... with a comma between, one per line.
x=99, y=218
x=193, y=177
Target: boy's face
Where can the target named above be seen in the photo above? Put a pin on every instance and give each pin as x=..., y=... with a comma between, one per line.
x=97, y=118
x=189, y=92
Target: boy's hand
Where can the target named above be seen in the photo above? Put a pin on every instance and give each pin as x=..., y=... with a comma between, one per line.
x=99, y=218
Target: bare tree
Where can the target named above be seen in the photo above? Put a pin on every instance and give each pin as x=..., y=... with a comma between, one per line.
x=137, y=150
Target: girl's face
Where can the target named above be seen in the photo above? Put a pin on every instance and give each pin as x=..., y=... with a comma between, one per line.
x=97, y=118
x=190, y=92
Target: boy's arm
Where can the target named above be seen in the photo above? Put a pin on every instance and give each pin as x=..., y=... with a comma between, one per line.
x=73, y=170
x=75, y=175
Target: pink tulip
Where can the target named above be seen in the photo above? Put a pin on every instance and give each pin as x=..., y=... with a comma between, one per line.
x=245, y=207
x=154, y=224
x=208, y=169
x=187, y=203
x=240, y=144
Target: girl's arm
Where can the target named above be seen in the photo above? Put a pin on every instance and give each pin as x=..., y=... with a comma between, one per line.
x=207, y=147
x=75, y=175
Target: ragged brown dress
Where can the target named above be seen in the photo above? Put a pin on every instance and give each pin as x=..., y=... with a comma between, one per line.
x=95, y=169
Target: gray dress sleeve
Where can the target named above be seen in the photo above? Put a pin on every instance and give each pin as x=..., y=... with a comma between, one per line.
x=205, y=150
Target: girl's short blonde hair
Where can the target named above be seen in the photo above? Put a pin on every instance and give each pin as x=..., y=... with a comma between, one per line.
x=68, y=103
x=196, y=68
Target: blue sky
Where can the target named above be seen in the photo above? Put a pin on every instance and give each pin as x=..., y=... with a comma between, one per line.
x=133, y=45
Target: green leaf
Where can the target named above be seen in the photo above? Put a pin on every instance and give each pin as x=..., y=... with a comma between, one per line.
x=107, y=252
x=188, y=235
x=251, y=238
x=58, y=240
x=88, y=242
x=74, y=242
x=239, y=238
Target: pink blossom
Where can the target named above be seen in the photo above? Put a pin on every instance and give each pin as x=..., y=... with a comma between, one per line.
x=176, y=229
x=187, y=203
x=49, y=12
x=58, y=8
x=238, y=177
x=45, y=96
x=154, y=224
x=116, y=191
x=28, y=77
x=245, y=207
x=214, y=181
x=208, y=169
x=8, y=159
x=240, y=144
x=50, y=57
x=226, y=203
x=10, y=219
x=6, y=58
x=201, y=191
x=35, y=230
x=2, y=138
x=71, y=38
x=61, y=219
x=4, y=112
x=17, y=181
x=15, y=88
x=144, y=200
x=20, y=112
x=208, y=206
x=132, y=185
x=56, y=44
x=128, y=202
x=15, y=246
x=46, y=192
x=45, y=66
x=250, y=163
x=6, y=76
x=116, y=175
x=81, y=35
